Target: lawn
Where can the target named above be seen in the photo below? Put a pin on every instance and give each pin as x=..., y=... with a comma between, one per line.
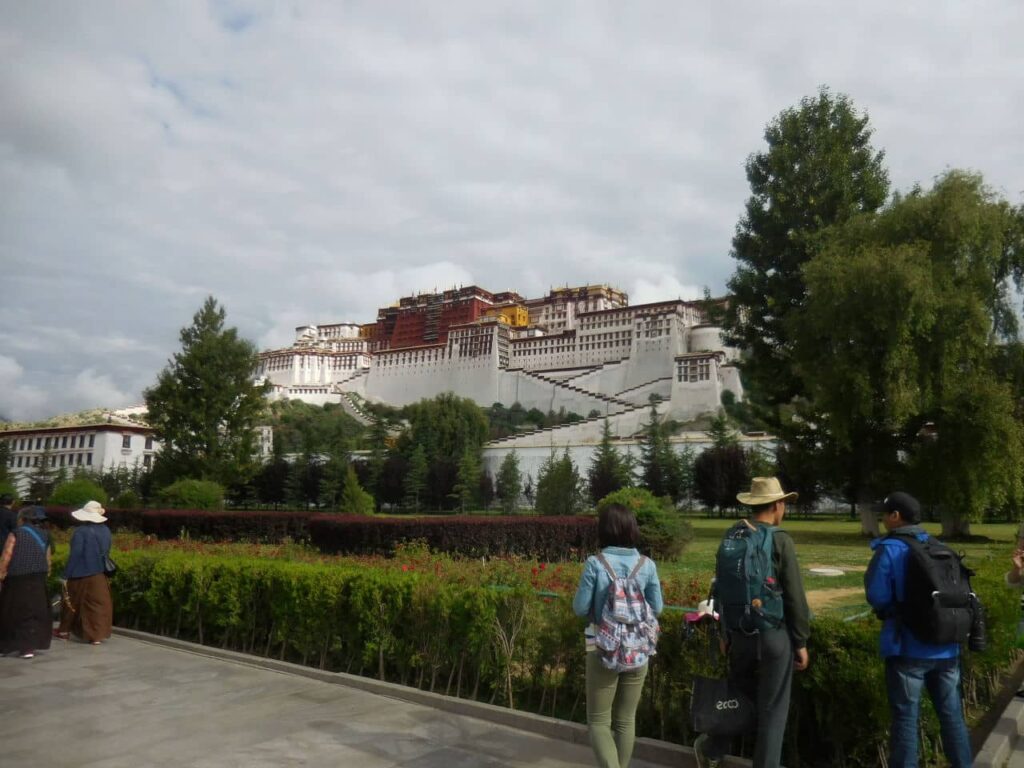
x=833, y=543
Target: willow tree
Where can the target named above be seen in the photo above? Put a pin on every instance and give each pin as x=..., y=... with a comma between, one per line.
x=898, y=346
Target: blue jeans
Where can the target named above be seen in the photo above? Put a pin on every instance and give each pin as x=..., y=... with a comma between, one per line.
x=903, y=681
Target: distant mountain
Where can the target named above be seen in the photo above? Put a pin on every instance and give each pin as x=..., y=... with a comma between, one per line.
x=125, y=417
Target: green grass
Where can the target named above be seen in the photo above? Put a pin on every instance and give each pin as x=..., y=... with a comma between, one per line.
x=830, y=542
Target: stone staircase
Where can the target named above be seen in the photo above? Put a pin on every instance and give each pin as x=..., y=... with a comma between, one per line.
x=561, y=384
x=645, y=384
x=533, y=432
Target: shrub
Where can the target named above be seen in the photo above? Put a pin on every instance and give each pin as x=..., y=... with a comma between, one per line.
x=75, y=493
x=547, y=538
x=127, y=500
x=193, y=494
x=663, y=532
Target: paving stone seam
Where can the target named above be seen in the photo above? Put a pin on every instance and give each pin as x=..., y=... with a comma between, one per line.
x=651, y=750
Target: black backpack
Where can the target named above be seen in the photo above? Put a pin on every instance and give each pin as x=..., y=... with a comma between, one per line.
x=939, y=604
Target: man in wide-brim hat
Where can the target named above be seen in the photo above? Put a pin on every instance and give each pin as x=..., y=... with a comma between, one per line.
x=762, y=659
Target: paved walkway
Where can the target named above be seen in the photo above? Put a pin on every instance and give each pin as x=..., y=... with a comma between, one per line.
x=136, y=704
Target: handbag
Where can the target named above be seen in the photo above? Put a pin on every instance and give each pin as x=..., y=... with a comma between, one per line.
x=718, y=708
x=109, y=566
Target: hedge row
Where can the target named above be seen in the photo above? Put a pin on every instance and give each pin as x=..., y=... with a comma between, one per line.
x=544, y=538
x=508, y=646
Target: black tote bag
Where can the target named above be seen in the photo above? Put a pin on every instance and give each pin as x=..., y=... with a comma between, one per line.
x=719, y=709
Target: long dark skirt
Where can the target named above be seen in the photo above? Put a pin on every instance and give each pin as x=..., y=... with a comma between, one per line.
x=25, y=623
x=91, y=613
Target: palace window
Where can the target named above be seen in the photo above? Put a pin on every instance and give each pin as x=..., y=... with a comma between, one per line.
x=697, y=369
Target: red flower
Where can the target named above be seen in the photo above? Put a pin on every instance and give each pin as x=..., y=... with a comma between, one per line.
x=405, y=568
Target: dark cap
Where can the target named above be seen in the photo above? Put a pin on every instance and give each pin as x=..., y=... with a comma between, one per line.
x=37, y=514
x=905, y=504
x=6, y=499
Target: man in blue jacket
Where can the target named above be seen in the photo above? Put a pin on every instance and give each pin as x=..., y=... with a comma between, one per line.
x=911, y=663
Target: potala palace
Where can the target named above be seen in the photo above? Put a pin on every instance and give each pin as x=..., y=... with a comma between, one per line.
x=583, y=349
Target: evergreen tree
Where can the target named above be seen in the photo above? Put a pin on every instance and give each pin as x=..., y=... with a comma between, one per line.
x=332, y=479
x=658, y=466
x=42, y=478
x=510, y=484
x=205, y=404
x=559, y=487
x=607, y=472
x=819, y=169
x=467, y=483
x=354, y=500
x=416, y=478
x=378, y=457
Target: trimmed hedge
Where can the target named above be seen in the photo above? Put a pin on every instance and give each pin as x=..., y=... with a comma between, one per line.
x=505, y=645
x=544, y=538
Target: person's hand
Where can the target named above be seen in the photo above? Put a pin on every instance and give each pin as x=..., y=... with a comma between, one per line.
x=801, y=660
x=723, y=646
x=1018, y=559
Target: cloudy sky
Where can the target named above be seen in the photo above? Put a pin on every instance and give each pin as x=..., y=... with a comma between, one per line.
x=309, y=162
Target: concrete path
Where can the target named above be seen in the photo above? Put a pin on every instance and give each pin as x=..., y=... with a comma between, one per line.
x=136, y=704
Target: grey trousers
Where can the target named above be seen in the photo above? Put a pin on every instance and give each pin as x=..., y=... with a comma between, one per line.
x=762, y=667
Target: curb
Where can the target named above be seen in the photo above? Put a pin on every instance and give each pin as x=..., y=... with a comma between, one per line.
x=651, y=750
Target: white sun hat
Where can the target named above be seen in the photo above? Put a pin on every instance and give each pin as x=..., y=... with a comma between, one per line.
x=92, y=512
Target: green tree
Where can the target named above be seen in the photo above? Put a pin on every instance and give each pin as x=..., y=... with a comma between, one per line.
x=332, y=479
x=76, y=492
x=663, y=532
x=559, y=487
x=719, y=474
x=659, y=467
x=819, y=169
x=6, y=476
x=193, y=494
x=467, y=483
x=900, y=341
x=42, y=478
x=607, y=472
x=354, y=500
x=510, y=483
x=205, y=404
x=416, y=478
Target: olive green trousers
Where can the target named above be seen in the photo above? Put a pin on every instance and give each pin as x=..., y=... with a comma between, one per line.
x=612, y=699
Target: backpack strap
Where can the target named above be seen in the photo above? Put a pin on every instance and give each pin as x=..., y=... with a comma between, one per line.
x=36, y=536
x=637, y=567
x=607, y=566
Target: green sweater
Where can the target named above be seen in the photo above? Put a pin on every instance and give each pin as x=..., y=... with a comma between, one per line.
x=794, y=599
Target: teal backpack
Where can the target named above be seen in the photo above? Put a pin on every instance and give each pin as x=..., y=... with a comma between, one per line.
x=747, y=595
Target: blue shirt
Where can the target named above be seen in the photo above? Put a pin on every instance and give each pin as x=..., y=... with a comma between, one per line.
x=595, y=581
x=885, y=583
x=90, y=544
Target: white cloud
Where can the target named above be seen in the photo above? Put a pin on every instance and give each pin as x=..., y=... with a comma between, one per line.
x=19, y=400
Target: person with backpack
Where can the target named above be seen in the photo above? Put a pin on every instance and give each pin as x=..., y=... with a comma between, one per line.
x=921, y=591
x=759, y=593
x=620, y=595
x=25, y=622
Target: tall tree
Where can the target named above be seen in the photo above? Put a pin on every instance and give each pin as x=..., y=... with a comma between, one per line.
x=559, y=487
x=416, y=478
x=819, y=169
x=606, y=473
x=467, y=483
x=659, y=468
x=205, y=404
x=899, y=347
x=354, y=500
x=510, y=484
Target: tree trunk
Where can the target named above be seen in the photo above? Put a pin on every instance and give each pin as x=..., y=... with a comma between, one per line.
x=868, y=520
x=953, y=526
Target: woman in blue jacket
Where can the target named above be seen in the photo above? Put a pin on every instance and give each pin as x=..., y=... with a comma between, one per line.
x=612, y=697
x=89, y=611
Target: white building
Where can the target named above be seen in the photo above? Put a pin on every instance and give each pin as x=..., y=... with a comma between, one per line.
x=98, y=446
x=583, y=349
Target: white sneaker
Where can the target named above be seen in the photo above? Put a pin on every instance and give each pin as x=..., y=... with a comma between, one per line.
x=27, y=655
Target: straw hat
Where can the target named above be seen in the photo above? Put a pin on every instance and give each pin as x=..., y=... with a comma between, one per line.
x=92, y=512
x=764, y=490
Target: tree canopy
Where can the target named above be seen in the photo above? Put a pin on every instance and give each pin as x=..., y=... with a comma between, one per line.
x=205, y=404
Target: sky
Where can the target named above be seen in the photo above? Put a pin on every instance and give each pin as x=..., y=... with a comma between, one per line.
x=310, y=162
